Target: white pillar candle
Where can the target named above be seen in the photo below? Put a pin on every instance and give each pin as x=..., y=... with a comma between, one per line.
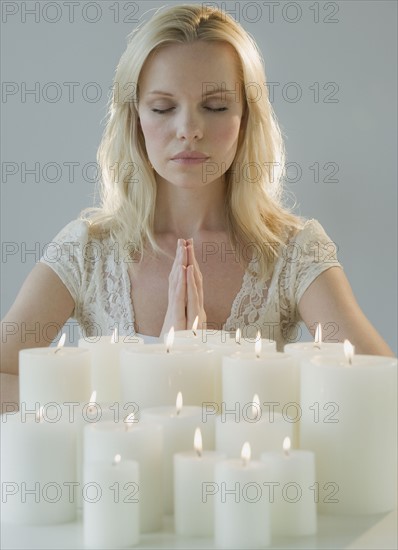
x=142, y=442
x=179, y=424
x=264, y=430
x=241, y=517
x=151, y=377
x=200, y=337
x=228, y=347
x=38, y=469
x=193, y=474
x=274, y=376
x=350, y=422
x=291, y=477
x=53, y=375
x=317, y=347
x=111, y=504
x=303, y=350
x=88, y=414
x=105, y=363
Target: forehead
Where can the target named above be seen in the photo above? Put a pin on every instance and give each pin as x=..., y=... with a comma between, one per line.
x=190, y=67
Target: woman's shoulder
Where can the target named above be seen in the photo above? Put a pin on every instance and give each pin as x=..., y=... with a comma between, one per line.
x=81, y=230
x=75, y=230
x=309, y=230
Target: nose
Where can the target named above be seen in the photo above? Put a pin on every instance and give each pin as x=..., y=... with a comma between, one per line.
x=189, y=126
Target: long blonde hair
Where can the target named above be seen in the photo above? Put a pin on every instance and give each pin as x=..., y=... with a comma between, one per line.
x=254, y=199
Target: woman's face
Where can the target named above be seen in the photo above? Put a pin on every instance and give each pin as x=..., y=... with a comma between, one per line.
x=190, y=103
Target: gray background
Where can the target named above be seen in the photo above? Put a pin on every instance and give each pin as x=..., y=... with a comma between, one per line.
x=351, y=45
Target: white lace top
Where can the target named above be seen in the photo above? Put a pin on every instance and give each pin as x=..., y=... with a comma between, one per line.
x=96, y=274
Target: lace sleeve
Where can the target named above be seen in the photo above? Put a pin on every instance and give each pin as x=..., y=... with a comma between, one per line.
x=65, y=255
x=308, y=254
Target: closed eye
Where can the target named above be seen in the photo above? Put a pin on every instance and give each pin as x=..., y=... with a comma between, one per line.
x=162, y=111
x=219, y=110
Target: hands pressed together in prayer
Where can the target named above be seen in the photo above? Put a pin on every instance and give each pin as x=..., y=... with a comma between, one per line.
x=185, y=298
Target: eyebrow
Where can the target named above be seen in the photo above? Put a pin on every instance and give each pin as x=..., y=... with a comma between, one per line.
x=207, y=94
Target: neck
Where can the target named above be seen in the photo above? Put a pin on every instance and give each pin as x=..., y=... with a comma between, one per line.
x=185, y=212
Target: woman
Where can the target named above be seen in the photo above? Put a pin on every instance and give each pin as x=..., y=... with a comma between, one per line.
x=191, y=221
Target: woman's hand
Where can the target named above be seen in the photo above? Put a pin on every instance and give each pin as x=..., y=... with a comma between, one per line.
x=195, y=305
x=185, y=298
x=176, y=309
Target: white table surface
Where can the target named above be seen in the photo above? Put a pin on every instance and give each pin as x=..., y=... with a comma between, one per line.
x=353, y=533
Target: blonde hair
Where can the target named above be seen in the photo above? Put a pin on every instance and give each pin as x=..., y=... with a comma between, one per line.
x=255, y=212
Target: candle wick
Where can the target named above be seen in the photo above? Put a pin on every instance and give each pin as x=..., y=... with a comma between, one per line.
x=194, y=333
x=199, y=453
x=258, y=355
x=57, y=349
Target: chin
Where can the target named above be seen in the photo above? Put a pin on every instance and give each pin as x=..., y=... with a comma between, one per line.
x=187, y=180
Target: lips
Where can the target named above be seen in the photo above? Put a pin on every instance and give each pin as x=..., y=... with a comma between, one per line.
x=190, y=155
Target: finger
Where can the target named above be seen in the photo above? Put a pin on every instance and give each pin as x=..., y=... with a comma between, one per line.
x=177, y=296
x=179, y=260
x=197, y=273
x=190, y=252
x=193, y=306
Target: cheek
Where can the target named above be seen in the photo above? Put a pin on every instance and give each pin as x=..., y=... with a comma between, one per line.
x=227, y=134
x=149, y=129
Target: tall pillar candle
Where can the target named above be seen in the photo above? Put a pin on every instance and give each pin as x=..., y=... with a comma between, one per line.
x=179, y=424
x=228, y=347
x=241, y=518
x=200, y=337
x=350, y=422
x=59, y=375
x=305, y=350
x=193, y=477
x=111, y=515
x=291, y=477
x=273, y=376
x=151, y=376
x=263, y=430
x=139, y=441
x=38, y=469
x=105, y=363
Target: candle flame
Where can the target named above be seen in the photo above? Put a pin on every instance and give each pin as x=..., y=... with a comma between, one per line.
x=197, y=442
x=286, y=445
x=93, y=398
x=129, y=420
x=246, y=453
x=348, y=351
x=256, y=408
x=237, y=336
x=40, y=415
x=115, y=335
x=92, y=401
x=117, y=459
x=61, y=342
x=170, y=340
x=195, y=325
x=179, y=402
x=318, y=336
x=257, y=348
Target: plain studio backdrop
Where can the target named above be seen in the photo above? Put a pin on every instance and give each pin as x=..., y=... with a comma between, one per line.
x=332, y=75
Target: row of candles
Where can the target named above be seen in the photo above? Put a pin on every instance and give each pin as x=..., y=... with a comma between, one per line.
x=341, y=408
